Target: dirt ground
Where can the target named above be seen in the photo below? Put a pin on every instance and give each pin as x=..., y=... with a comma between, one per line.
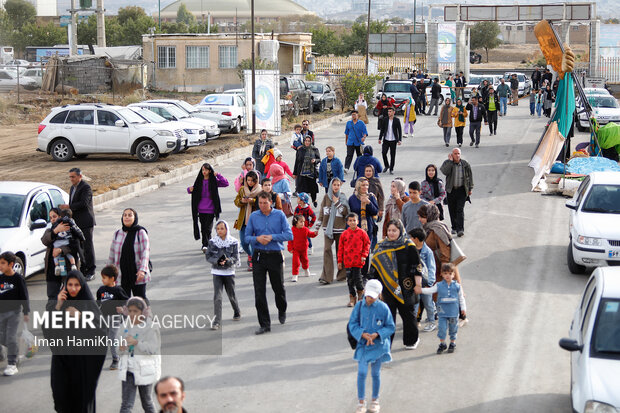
x=19, y=160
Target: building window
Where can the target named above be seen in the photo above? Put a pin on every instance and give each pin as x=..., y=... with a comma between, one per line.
x=228, y=57
x=166, y=57
x=196, y=57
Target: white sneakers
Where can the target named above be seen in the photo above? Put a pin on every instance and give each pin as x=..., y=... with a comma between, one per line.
x=374, y=407
x=310, y=250
x=306, y=272
x=430, y=327
x=361, y=408
x=10, y=370
x=413, y=347
x=294, y=279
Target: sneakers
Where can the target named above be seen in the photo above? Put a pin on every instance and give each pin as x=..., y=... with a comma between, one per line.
x=460, y=233
x=451, y=347
x=453, y=232
x=374, y=407
x=73, y=268
x=361, y=408
x=215, y=326
x=346, y=171
x=204, y=249
x=237, y=317
x=310, y=250
x=430, y=327
x=414, y=346
x=114, y=365
x=294, y=279
x=442, y=347
x=447, y=144
x=471, y=143
x=10, y=370
x=477, y=146
x=249, y=263
x=306, y=272
x=57, y=270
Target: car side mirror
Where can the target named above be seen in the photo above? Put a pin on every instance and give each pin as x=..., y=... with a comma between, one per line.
x=570, y=344
x=571, y=204
x=119, y=123
x=37, y=224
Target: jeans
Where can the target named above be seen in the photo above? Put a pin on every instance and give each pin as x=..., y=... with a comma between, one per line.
x=362, y=372
x=503, y=103
x=350, y=150
x=263, y=263
x=459, y=134
x=245, y=245
x=227, y=282
x=538, y=109
x=429, y=305
x=354, y=280
x=492, y=118
x=129, y=395
x=451, y=324
x=9, y=322
x=389, y=146
x=532, y=108
x=456, y=207
x=474, y=131
x=434, y=103
x=206, y=226
x=112, y=331
x=447, y=132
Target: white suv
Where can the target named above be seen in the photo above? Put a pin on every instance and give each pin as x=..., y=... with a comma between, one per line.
x=594, y=224
x=95, y=128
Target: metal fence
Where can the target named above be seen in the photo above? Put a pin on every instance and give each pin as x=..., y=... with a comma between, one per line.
x=357, y=64
x=609, y=68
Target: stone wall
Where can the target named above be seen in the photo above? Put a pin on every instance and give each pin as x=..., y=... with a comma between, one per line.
x=86, y=74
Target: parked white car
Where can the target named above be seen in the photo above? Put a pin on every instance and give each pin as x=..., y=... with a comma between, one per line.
x=152, y=117
x=195, y=132
x=596, y=91
x=230, y=105
x=93, y=128
x=594, y=223
x=8, y=81
x=24, y=215
x=213, y=128
x=605, y=109
x=35, y=73
x=594, y=343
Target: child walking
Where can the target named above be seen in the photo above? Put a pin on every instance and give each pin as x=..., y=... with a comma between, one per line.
x=223, y=255
x=109, y=297
x=539, y=102
x=353, y=250
x=66, y=241
x=372, y=325
x=418, y=236
x=13, y=298
x=140, y=349
x=303, y=208
x=299, y=246
x=449, y=299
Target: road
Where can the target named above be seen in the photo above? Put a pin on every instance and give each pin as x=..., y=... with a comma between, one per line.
x=520, y=299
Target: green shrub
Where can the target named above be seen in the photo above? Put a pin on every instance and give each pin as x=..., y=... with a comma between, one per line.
x=351, y=85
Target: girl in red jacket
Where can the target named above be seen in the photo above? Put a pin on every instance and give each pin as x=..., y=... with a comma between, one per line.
x=353, y=251
x=299, y=246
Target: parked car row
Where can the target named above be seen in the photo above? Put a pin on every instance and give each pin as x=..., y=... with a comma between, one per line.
x=9, y=81
x=605, y=108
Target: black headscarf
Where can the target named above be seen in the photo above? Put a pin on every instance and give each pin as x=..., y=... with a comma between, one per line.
x=197, y=196
x=434, y=182
x=128, y=254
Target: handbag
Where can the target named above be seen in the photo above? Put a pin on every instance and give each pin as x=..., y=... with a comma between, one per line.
x=287, y=208
x=350, y=338
x=457, y=255
x=439, y=123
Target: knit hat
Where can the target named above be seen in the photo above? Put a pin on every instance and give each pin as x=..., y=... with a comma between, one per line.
x=373, y=288
x=304, y=197
x=276, y=153
x=277, y=173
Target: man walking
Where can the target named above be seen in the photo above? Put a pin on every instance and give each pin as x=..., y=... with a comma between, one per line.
x=514, y=89
x=305, y=124
x=81, y=204
x=422, y=100
x=415, y=94
x=548, y=76
x=267, y=229
x=458, y=86
x=536, y=76
x=393, y=134
x=459, y=185
x=435, y=93
x=477, y=113
x=491, y=106
x=503, y=91
x=355, y=134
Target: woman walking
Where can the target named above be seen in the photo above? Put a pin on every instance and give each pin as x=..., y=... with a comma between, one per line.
x=130, y=253
x=206, y=202
x=445, y=121
x=433, y=190
x=332, y=217
x=410, y=117
x=382, y=106
x=247, y=203
x=450, y=84
x=306, y=168
x=362, y=108
x=459, y=113
x=394, y=205
x=261, y=146
x=548, y=98
x=364, y=204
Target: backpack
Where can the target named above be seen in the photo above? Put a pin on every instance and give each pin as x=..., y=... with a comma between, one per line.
x=350, y=338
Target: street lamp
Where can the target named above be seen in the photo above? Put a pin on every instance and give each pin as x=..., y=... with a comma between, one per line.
x=367, y=36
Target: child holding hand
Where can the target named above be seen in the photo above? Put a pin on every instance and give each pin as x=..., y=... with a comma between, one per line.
x=303, y=208
x=299, y=246
x=353, y=251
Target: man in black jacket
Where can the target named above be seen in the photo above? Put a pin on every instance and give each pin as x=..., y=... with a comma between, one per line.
x=477, y=113
x=435, y=93
x=536, y=76
x=81, y=204
x=491, y=106
x=392, y=135
x=415, y=93
x=514, y=89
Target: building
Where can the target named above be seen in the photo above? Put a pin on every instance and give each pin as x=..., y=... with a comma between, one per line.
x=234, y=11
x=194, y=62
x=523, y=33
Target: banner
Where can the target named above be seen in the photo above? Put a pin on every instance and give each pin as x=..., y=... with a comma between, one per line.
x=446, y=42
x=547, y=151
x=267, y=100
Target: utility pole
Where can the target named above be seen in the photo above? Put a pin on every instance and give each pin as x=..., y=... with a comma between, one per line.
x=73, y=31
x=367, y=36
x=415, y=6
x=159, y=15
x=100, y=24
x=253, y=76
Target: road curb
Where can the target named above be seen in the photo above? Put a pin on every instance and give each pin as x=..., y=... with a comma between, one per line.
x=124, y=193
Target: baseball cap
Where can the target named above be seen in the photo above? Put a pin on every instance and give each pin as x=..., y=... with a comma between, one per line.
x=373, y=288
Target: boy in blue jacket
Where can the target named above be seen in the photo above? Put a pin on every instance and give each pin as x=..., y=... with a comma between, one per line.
x=372, y=325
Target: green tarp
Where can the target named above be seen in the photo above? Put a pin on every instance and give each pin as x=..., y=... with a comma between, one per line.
x=609, y=136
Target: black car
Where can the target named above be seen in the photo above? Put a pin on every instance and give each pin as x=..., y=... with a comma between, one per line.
x=297, y=92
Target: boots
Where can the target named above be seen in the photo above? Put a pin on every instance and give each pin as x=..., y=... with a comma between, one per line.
x=360, y=295
x=351, y=301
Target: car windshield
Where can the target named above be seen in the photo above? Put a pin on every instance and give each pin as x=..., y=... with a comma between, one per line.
x=606, y=334
x=224, y=100
x=130, y=116
x=315, y=87
x=178, y=113
x=11, y=206
x=187, y=107
x=603, y=199
x=603, y=101
x=396, y=87
x=151, y=116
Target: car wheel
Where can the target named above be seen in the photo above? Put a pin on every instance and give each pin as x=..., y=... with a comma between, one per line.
x=573, y=267
x=62, y=150
x=578, y=125
x=375, y=112
x=237, y=128
x=332, y=106
x=147, y=151
x=81, y=156
x=321, y=106
x=19, y=266
x=296, y=109
x=440, y=101
x=310, y=106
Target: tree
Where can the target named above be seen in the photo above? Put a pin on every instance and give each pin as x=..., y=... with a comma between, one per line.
x=130, y=13
x=484, y=35
x=353, y=84
x=20, y=13
x=356, y=41
x=325, y=41
x=32, y=34
x=185, y=16
x=259, y=64
x=87, y=30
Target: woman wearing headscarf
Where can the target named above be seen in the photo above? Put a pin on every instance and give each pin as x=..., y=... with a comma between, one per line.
x=332, y=217
x=277, y=160
x=261, y=146
x=382, y=106
x=445, y=121
x=306, y=168
x=248, y=165
x=410, y=117
x=130, y=253
x=396, y=263
x=206, y=202
x=362, y=108
x=247, y=203
x=459, y=113
x=75, y=369
x=432, y=189
x=364, y=204
x=376, y=188
x=548, y=98
x=394, y=205
x=450, y=84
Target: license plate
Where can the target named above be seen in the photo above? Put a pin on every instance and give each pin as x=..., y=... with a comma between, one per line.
x=614, y=254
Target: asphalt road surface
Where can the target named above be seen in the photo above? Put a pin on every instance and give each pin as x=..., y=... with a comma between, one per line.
x=520, y=298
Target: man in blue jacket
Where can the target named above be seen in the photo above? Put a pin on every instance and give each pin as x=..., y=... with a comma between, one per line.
x=355, y=134
x=266, y=230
